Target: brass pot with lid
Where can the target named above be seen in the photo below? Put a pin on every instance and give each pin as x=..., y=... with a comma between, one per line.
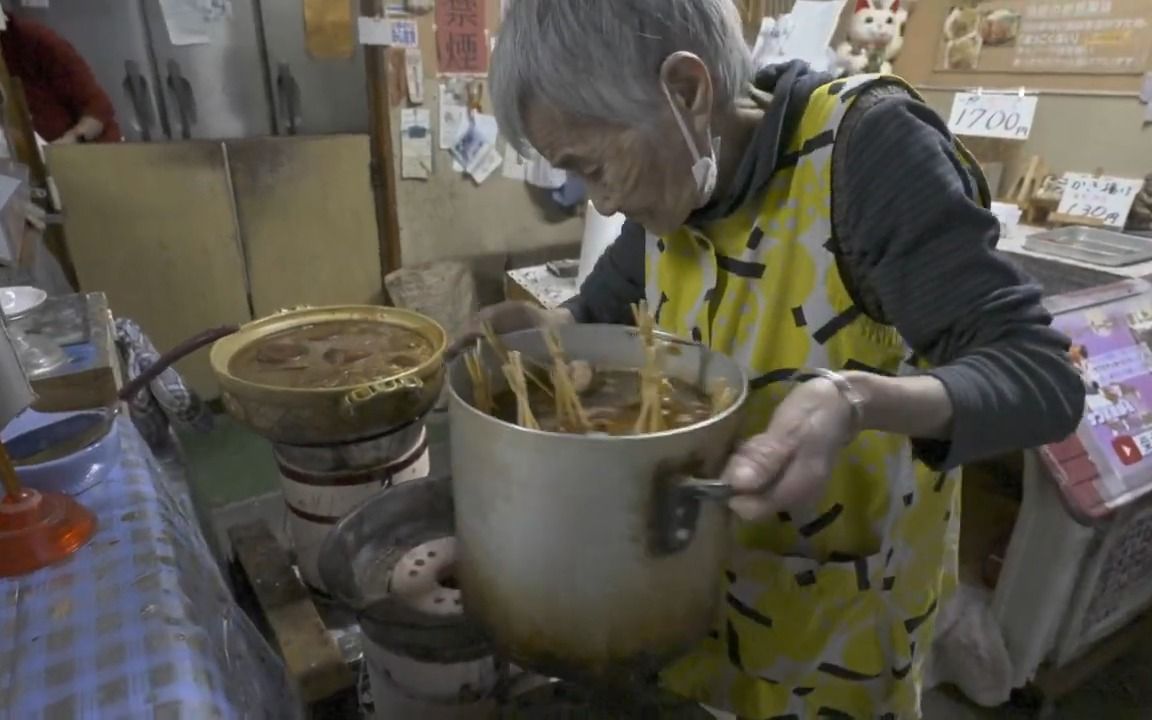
x=318, y=416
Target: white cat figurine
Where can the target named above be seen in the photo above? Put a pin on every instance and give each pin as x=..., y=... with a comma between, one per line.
x=875, y=25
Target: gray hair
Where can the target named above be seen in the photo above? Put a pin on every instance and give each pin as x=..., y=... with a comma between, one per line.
x=600, y=59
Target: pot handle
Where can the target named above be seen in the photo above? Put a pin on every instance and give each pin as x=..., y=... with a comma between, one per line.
x=707, y=489
x=676, y=509
x=189, y=346
x=361, y=395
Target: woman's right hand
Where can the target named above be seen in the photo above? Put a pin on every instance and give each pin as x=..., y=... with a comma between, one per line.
x=507, y=317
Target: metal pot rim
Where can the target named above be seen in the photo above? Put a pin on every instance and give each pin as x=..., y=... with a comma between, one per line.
x=735, y=407
x=226, y=348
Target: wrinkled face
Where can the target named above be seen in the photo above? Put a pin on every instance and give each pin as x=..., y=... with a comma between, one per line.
x=643, y=172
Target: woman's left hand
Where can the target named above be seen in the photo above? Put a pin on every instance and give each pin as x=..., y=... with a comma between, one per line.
x=788, y=465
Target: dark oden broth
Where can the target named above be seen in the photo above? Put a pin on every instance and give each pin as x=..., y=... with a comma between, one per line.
x=331, y=354
x=612, y=403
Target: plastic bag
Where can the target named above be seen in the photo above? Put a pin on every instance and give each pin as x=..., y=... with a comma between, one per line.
x=969, y=650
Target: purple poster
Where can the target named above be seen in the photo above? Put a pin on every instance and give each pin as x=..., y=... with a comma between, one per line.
x=1112, y=349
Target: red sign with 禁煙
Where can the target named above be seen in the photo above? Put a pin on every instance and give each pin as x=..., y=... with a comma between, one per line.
x=461, y=37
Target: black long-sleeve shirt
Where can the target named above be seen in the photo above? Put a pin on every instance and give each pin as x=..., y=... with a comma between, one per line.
x=918, y=253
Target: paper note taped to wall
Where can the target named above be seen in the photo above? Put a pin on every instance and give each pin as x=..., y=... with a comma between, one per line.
x=453, y=115
x=531, y=168
x=515, y=164
x=809, y=29
x=415, y=144
x=328, y=30
x=476, y=142
x=542, y=174
x=186, y=21
x=414, y=74
x=394, y=32
x=486, y=164
x=1146, y=97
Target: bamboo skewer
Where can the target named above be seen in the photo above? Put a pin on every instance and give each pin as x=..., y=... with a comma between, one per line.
x=481, y=384
x=570, y=413
x=502, y=353
x=651, y=417
x=645, y=323
x=514, y=372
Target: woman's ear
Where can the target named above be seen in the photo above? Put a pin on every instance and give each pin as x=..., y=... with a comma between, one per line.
x=690, y=85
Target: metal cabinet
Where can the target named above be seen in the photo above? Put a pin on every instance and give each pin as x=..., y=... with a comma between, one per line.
x=215, y=90
x=311, y=96
x=253, y=77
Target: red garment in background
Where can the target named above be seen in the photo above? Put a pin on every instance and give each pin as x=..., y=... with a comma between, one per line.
x=58, y=83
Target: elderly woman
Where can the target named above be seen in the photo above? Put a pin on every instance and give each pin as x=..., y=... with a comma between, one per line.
x=835, y=239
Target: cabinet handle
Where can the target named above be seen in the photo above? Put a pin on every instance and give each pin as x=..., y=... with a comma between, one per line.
x=136, y=86
x=181, y=89
x=288, y=91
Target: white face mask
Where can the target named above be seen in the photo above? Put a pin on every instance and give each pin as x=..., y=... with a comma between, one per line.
x=704, y=169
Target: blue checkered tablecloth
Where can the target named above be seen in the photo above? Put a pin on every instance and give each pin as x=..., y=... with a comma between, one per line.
x=138, y=624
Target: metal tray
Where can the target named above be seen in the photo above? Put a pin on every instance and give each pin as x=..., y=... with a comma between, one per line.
x=1057, y=277
x=1092, y=245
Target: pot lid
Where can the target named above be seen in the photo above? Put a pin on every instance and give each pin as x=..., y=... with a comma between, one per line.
x=562, y=701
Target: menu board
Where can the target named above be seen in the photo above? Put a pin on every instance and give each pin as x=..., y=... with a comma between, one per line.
x=1103, y=37
x=1112, y=350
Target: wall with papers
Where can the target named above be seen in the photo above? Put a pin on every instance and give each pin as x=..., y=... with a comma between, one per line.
x=450, y=215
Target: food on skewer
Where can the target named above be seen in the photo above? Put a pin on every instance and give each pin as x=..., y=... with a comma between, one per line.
x=577, y=397
x=569, y=412
x=722, y=396
x=582, y=375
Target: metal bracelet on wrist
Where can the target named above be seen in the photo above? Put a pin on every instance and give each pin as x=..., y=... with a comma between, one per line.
x=854, y=399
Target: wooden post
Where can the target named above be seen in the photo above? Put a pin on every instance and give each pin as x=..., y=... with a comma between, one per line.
x=383, y=166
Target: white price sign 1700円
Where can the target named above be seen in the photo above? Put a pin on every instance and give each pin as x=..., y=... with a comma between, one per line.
x=1099, y=199
x=994, y=115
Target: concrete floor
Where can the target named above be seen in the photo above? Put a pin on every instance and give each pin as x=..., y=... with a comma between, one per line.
x=230, y=468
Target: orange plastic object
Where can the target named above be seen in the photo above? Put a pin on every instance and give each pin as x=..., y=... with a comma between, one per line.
x=37, y=530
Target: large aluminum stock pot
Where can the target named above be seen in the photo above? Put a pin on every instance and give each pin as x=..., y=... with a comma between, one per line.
x=593, y=557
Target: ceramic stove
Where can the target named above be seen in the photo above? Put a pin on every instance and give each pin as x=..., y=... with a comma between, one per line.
x=392, y=562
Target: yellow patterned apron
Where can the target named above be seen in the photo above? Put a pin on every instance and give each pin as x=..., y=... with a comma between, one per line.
x=828, y=613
